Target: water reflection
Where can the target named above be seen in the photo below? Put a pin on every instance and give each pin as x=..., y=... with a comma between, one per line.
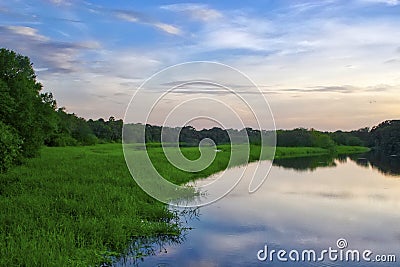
x=142, y=247
x=306, y=163
x=304, y=204
x=388, y=165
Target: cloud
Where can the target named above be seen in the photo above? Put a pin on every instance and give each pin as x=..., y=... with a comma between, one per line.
x=392, y=61
x=28, y=32
x=195, y=11
x=60, y=2
x=128, y=16
x=168, y=28
x=57, y=57
x=209, y=87
x=387, y=2
x=136, y=17
x=309, y=6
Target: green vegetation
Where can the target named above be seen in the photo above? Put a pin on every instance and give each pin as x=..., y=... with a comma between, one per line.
x=25, y=114
x=386, y=137
x=294, y=152
x=351, y=149
x=74, y=206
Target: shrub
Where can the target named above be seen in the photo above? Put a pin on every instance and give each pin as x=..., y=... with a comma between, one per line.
x=89, y=140
x=61, y=139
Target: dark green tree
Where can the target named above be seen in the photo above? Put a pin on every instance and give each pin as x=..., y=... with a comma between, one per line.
x=386, y=137
x=22, y=106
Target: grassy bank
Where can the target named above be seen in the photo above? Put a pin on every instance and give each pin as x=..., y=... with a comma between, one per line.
x=74, y=206
x=296, y=152
x=351, y=149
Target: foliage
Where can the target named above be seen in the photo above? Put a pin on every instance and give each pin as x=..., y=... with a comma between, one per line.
x=352, y=138
x=386, y=137
x=22, y=107
x=10, y=147
x=301, y=137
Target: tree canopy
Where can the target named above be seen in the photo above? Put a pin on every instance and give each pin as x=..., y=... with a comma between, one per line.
x=25, y=113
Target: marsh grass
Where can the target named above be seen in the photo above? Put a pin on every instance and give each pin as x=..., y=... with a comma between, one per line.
x=74, y=206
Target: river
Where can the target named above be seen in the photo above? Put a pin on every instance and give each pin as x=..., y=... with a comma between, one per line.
x=305, y=204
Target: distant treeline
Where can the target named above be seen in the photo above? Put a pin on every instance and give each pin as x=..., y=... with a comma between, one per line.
x=385, y=137
x=30, y=119
x=189, y=136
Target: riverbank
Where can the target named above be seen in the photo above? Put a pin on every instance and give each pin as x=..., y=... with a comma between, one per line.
x=295, y=152
x=77, y=206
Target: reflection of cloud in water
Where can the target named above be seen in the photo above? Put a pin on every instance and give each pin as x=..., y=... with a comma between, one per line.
x=293, y=210
x=341, y=195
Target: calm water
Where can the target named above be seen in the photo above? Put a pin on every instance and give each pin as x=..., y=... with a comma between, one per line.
x=305, y=204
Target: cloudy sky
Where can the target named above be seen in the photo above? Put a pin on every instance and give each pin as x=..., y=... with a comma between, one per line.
x=323, y=64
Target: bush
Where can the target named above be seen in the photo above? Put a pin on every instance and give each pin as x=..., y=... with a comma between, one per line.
x=10, y=147
x=89, y=140
x=61, y=139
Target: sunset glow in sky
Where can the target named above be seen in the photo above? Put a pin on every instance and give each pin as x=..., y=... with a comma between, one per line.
x=324, y=64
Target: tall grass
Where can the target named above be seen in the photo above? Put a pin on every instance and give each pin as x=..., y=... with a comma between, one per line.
x=74, y=206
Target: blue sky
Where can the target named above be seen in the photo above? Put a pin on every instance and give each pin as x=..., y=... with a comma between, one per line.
x=323, y=64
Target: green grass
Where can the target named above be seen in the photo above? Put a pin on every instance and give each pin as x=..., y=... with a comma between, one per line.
x=352, y=149
x=296, y=152
x=72, y=206
x=293, y=152
x=76, y=206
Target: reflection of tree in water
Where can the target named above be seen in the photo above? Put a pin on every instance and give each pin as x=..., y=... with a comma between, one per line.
x=387, y=165
x=306, y=163
x=142, y=247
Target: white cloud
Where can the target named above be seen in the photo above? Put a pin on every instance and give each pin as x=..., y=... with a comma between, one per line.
x=27, y=31
x=135, y=17
x=387, y=2
x=168, y=28
x=61, y=2
x=127, y=17
x=195, y=11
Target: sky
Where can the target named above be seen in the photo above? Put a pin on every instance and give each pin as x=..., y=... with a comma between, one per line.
x=323, y=64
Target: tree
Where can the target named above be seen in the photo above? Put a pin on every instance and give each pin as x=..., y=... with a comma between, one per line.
x=22, y=107
x=10, y=147
x=386, y=137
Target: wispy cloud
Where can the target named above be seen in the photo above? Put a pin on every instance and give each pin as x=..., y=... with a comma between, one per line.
x=137, y=17
x=27, y=32
x=195, y=11
x=53, y=55
x=61, y=2
x=387, y=2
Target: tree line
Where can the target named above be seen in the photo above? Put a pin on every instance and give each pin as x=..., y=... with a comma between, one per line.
x=30, y=119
